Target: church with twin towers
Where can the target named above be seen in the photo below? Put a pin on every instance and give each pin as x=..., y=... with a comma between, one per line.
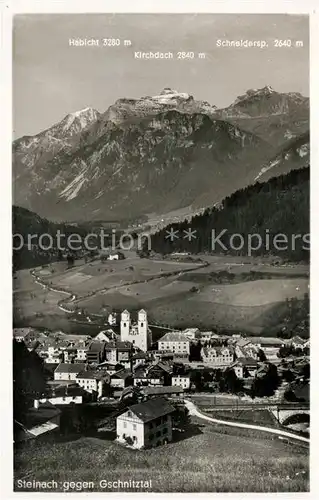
x=136, y=332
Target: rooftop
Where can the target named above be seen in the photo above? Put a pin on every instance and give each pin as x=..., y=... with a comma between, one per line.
x=93, y=374
x=246, y=362
x=152, y=391
x=70, y=368
x=96, y=346
x=45, y=412
x=174, y=337
x=119, y=345
x=152, y=409
x=122, y=374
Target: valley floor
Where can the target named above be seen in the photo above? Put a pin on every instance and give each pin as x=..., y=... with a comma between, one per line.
x=175, y=294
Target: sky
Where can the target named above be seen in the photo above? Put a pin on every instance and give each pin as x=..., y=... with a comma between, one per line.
x=52, y=78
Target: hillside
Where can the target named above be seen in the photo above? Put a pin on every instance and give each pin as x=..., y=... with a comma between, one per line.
x=26, y=224
x=278, y=206
x=153, y=155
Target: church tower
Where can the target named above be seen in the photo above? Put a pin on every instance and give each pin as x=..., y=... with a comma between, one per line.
x=142, y=327
x=125, y=325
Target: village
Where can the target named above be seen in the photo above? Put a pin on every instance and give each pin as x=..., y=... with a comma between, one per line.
x=138, y=391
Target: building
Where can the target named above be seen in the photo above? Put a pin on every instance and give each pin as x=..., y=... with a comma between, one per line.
x=218, y=355
x=141, y=358
x=107, y=367
x=183, y=381
x=137, y=333
x=269, y=345
x=297, y=342
x=28, y=335
x=192, y=333
x=121, y=379
x=63, y=395
x=105, y=335
x=96, y=352
x=116, y=256
x=158, y=374
x=245, y=367
x=207, y=337
x=68, y=371
x=42, y=419
x=147, y=424
x=112, y=319
x=93, y=381
x=119, y=352
x=175, y=342
x=246, y=349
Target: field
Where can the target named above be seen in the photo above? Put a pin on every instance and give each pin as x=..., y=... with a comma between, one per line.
x=176, y=294
x=208, y=459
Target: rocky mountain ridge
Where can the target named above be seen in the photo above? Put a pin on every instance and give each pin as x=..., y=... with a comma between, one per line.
x=152, y=154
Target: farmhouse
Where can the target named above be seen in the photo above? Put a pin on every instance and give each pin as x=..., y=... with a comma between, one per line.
x=68, y=371
x=175, y=342
x=146, y=424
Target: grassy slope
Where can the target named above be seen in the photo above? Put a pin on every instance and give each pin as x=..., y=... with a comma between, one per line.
x=210, y=460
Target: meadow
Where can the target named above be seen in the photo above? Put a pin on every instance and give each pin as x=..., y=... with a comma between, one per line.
x=207, y=459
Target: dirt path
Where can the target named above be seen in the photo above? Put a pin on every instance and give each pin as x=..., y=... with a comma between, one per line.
x=194, y=411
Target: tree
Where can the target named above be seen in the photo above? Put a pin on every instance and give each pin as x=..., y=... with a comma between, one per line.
x=28, y=379
x=262, y=355
x=230, y=382
x=180, y=417
x=266, y=385
x=70, y=260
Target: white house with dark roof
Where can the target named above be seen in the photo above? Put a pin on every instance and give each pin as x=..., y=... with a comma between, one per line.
x=218, y=355
x=183, y=381
x=68, y=371
x=176, y=342
x=93, y=381
x=121, y=379
x=245, y=367
x=64, y=395
x=147, y=424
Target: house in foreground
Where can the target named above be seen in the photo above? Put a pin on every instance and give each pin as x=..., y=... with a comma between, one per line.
x=147, y=424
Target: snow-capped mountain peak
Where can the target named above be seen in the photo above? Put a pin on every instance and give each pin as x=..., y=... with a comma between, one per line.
x=78, y=120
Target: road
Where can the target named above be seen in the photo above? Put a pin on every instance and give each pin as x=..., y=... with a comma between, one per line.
x=195, y=412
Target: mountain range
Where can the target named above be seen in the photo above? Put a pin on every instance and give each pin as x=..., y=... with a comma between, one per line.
x=157, y=154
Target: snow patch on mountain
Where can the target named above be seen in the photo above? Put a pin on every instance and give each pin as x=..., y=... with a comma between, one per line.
x=303, y=150
x=267, y=167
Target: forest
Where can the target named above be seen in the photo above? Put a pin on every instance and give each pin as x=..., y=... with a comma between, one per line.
x=276, y=209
